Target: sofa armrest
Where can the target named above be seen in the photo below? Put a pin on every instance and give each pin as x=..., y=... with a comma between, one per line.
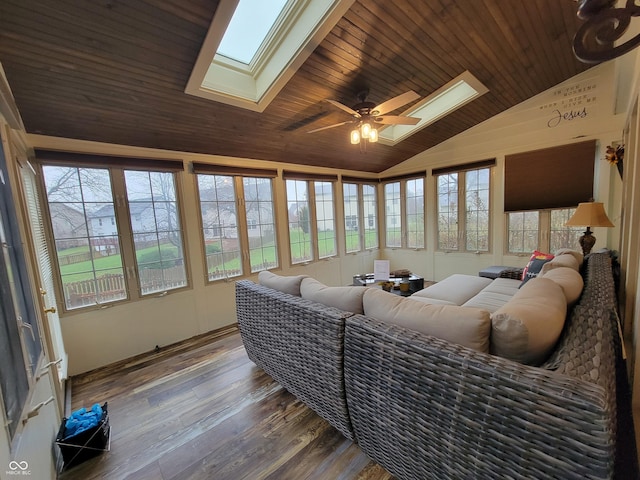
x=299, y=343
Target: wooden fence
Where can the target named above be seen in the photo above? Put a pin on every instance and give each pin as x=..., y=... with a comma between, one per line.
x=111, y=287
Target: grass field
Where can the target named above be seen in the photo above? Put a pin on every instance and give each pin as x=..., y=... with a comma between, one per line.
x=300, y=244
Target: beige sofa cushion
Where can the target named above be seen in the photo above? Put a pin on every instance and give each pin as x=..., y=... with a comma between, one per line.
x=561, y=261
x=575, y=253
x=527, y=327
x=344, y=298
x=470, y=327
x=456, y=288
x=570, y=281
x=285, y=284
x=494, y=295
x=429, y=301
x=490, y=301
x=503, y=286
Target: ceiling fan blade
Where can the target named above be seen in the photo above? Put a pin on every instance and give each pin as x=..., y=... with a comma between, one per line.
x=330, y=126
x=349, y=110
x=396, y=102
x=397, y=120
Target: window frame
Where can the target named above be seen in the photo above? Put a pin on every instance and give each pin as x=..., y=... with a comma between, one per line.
x=462, y=212
x=363, y=215
x=116, y=167
x=242, y=226
x=544, y=232
x=310, y=180
x=403, y=210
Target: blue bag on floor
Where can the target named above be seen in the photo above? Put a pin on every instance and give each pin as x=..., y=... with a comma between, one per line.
x=82, y=420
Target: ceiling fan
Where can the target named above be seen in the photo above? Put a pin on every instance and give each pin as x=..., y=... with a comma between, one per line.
x=367, y=114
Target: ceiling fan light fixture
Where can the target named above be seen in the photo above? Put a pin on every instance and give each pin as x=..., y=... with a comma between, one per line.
x=355, y=136
x=365, y=130
x=373, y=135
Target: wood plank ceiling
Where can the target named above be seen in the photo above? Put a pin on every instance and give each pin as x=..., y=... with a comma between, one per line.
x=115, y=71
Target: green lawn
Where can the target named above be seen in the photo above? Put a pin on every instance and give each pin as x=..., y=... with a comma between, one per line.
x=84, y=270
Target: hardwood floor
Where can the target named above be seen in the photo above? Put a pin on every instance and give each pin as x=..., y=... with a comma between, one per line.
x=202, y=410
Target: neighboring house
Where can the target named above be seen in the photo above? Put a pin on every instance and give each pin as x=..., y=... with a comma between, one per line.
x=68, y=225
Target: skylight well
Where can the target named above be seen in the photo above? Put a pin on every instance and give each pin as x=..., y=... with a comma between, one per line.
x=253, y=48
x=458, y=92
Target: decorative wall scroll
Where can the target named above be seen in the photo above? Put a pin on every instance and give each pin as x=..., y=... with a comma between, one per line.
x=594, y=42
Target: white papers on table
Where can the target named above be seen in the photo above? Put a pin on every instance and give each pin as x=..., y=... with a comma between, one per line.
x=381, y=270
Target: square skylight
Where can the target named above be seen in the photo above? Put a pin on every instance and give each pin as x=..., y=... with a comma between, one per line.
x=249, y=28
x=448, y=98
x=252, y=75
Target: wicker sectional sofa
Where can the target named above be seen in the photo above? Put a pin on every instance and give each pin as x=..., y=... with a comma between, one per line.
x=424, y=407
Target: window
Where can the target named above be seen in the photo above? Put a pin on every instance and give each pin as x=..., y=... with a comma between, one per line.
x=311, y=212
x=448, y=211
x=228, y=231
x=299, y=221
x=404, y=212
x=393, y=230
x=267, y=41
x=542, y=230
x=415, y=213
x=522, y=230
x=360, y=211
x=463, y=229
x=99, y=263
x=561, y=236
x=351, y=217
x=370, y=211
x=477, y=214
x=260, y=214
x=325, y=218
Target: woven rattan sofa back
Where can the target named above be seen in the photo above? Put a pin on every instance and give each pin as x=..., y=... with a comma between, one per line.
x=424, y=408
x=300, y=344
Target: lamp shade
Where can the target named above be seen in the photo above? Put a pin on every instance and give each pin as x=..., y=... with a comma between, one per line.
x=589, y=214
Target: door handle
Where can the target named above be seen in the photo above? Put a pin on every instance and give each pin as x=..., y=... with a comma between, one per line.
x=50, y=310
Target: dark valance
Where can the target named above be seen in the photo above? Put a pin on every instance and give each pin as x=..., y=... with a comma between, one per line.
x=406, y=176
x=131, y=163
x=317, y=177
x=213, y=169
x=465, y=166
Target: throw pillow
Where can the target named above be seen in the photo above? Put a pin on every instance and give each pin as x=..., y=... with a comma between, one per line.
x=284, y=284
x=536, y=261
x=465, y=326
x=348, y=299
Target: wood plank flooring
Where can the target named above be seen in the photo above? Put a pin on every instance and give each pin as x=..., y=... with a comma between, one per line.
x=202, y=410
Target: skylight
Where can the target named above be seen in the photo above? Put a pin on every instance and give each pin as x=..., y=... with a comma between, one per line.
x=458, y=92
x=251, y=66
x=249, y=27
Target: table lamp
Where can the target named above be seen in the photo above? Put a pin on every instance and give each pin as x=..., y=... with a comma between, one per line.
x=589, y=214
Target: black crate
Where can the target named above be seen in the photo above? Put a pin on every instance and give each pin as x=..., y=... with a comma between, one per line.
x=87, y=444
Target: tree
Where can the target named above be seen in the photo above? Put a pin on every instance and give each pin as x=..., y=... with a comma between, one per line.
x=304, y=220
